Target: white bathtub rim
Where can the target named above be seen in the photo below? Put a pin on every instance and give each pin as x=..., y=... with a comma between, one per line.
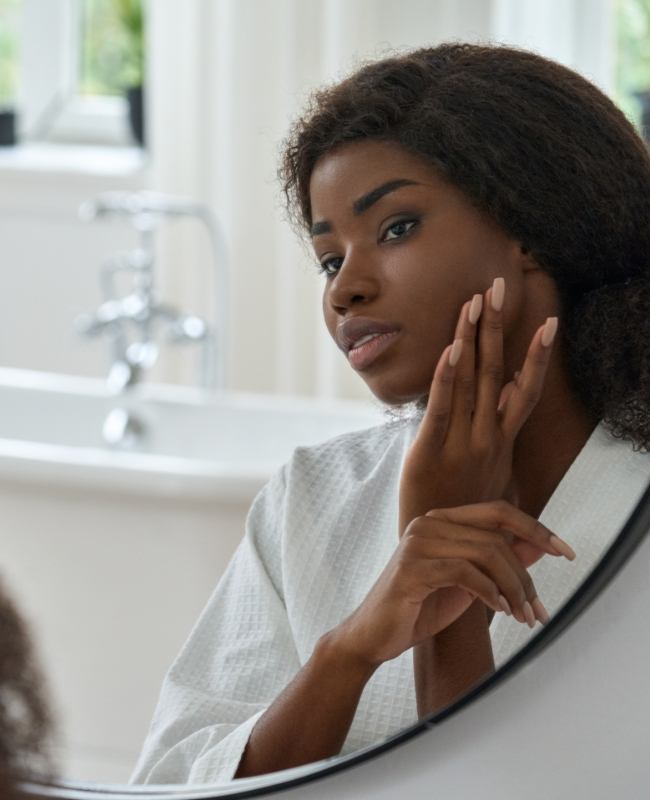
x=137, y=472
x=174, y=393
x=131, y=473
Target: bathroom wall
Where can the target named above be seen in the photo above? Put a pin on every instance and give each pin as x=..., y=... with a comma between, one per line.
x=50, y=260
x=218, y=111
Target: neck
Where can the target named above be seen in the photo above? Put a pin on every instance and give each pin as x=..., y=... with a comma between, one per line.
x=548, y=443
x=559, y=425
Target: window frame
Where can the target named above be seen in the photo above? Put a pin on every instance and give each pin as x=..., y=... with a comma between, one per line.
x=50, y=110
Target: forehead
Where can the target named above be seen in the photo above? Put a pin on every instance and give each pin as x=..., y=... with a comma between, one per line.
x=352, y=169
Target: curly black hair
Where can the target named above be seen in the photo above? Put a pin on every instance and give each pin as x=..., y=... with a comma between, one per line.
x=26, y=725
x=551, y=159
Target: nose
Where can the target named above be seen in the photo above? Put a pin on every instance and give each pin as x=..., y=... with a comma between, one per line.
x=355, y=282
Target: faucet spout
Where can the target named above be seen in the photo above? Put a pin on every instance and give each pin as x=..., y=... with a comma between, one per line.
x=135, y=322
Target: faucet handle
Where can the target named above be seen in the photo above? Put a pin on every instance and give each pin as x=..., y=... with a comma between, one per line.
x=111, y=313
x=126, y=371
x=187, y=328
x=120, y=376
x=106, y=316
x=142, y=355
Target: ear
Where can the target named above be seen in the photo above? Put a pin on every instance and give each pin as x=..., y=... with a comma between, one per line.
x=525, y=257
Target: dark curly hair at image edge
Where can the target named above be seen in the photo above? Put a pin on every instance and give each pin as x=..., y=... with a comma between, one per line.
x=550, y=159
x=25, y=722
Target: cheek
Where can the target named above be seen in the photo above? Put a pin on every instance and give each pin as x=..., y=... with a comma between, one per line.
x=328, y=314
x=436, y=315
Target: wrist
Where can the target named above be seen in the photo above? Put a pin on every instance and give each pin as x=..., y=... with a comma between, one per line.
x=333, y=650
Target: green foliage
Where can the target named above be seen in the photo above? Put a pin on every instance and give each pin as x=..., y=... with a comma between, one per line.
x=131, y=15
x=113, y=46
x=8, y=51
x=111, y=52
x=633, y=55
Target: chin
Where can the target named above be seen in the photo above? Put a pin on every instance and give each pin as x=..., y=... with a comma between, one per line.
x=415, y=400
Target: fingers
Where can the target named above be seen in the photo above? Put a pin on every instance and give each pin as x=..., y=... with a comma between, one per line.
x=490, y=360
x=487, y=553
x=528, y=386
x=452, y=572
x=461, y=396
x=464, y=379
x=515, y=401
x=507, y=390
x=435, y=422
x=451, y=397
x=500, y=515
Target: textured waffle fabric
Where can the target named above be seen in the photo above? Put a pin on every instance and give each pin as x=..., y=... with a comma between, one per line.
x=317, y=537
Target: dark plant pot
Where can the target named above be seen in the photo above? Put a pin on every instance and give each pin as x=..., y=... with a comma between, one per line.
x=7, y=128
x=134, y=98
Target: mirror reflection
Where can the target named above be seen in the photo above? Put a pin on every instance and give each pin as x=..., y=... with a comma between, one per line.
x=407, y=468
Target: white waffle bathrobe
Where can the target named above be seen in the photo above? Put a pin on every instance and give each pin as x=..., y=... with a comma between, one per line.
x=317, y=537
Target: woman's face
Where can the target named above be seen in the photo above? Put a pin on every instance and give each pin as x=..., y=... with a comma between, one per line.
x=409, y=254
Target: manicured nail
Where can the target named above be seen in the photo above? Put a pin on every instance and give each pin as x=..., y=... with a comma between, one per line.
x=550, y=328
x=498, y=291
x=475, y=308
x=562, y=547
x=505, y=605
x=529, y=614
x=540, y=612
x=454, y=353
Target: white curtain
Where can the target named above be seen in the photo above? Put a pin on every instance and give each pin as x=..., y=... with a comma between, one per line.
x=226, y=77
x=577, y=33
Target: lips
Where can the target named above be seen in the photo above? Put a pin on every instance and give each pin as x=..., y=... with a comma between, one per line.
x=351, y=330
x=368, y=349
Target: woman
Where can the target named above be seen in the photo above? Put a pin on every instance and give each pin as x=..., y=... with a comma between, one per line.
x=478, y=194
x=25, y=721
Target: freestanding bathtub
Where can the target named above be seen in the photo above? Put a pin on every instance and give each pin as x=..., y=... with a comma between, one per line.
x=111, y=554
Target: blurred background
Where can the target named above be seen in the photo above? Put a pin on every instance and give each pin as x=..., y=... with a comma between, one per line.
x=219, y=82
x=118, y=510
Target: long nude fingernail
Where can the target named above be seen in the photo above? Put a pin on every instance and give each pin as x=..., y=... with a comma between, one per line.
x=475, y=308
x=454, y=353
x=540, y=612
x=498, y=292
x=562, y=547
x=550, y=329
x=529, y=614
x=505, y=605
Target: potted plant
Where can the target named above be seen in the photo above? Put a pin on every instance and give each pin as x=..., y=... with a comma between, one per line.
x=131, y=17
x=8, y=77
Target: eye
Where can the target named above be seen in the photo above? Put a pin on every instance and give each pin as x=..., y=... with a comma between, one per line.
x=324, y=266
x=401, y=228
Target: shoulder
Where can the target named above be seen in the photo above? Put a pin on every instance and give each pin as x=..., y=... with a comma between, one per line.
x=351, y=455
x=328, y=474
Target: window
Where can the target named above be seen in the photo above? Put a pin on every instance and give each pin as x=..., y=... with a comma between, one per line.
x=632, y=86
x=75, y=66
x=111, y=57
x=8, y=52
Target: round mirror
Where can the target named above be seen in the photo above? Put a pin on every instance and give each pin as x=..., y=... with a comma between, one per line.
x=466, y=754
x=301, y=517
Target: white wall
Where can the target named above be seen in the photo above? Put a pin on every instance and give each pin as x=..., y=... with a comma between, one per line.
x=251, y=67
x=50, y=260
x=226, y=79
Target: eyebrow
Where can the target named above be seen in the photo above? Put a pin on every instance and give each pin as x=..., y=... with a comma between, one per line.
x=364, y=202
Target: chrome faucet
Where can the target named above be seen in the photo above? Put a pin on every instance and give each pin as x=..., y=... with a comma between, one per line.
x=136, y=323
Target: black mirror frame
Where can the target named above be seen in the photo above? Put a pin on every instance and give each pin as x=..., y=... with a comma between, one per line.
x=628, y=540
